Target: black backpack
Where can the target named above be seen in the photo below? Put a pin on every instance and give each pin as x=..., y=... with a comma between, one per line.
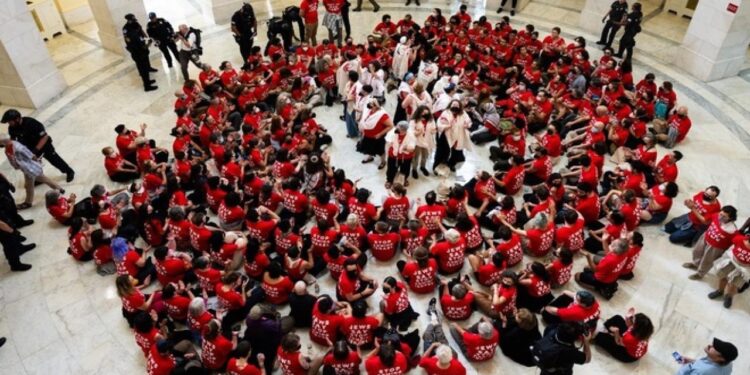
x=291, y=13
x=198, y=47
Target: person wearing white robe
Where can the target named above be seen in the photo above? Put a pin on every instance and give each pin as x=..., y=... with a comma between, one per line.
x=423, y=126
x=453, y=136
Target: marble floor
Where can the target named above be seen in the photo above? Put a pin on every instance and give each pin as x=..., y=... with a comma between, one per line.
x=62, y=318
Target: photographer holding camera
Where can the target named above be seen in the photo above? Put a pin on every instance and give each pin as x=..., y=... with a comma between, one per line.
x=556, y=352
x=189, y=45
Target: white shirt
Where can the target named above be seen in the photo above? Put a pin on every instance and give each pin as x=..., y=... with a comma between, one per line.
x=190, y=38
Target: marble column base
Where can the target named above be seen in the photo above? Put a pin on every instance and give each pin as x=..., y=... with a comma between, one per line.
x=707, y=70
x=36, y=94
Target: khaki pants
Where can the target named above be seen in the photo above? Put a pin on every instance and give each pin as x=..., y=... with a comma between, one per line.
x=483, y=302
x=311, y=31
x=704, y=255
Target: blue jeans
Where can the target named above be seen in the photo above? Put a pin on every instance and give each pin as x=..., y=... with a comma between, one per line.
x=351, y=124
x=682, y=231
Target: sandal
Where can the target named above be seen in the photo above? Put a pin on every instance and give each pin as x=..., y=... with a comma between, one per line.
x=381, y=166
x=368, y=160
x=23, y=206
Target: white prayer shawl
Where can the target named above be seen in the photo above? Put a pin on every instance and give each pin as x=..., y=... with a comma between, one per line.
x=376, y=80
x=400, y=64
x=361, y=104
x=456, y=129
x=351, y=94
x=424, y=133
x=405, y=146
x=442, y=102
x=428, y=72
x=370, y=119
x=439, y=87
x=413, y=101
x=342, y=73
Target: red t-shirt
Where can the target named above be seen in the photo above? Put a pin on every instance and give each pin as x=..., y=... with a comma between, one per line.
x=214, y=353
x=703, y=207
x=457, y=309
x=375, y=366
x=278, y=293
x=540, y=241
x=359, y=331
x=635, y=347
x=560, y=273
x=421, y=280
x=290, y=363
x=479, y=349
x=428, y=214
x=450, y=256
x=59, y=209
x=609, y=268
x=158, y=364
x=347, y=366
x=234, y=369
x=324, y=326
x=177, y=307
x=577, y=313
x=383, y=246
x=512, y=250
x=739, y=250
x=570, y=237
x=430, y=366
x=396, y=209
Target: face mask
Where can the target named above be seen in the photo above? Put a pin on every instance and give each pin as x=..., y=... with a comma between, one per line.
x=426, y=116
x=516, y=137
x=369, y=106
x=455, y=109
x=707, y=197
x=352, y=274
x=386, y=290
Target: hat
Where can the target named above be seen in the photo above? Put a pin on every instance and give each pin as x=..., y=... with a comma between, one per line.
x=408, y=76
x=727, y=350
x=450, y=87
x=10, y=115
x=130, y=17
x=152, y=15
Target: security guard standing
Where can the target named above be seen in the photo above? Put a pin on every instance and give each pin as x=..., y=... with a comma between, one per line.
x=244, y=28
x=10, y=221
x=632, y=27
x=32, y=134
x=136, y=44
x=161, y=31
x=614, y=18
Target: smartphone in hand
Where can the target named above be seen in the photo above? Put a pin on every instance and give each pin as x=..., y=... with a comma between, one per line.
x=677, y=357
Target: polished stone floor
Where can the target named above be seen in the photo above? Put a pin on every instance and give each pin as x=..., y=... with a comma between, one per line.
x=62, y=318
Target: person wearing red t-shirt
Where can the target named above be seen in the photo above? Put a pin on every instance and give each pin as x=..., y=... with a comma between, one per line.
x=240, y=363
x=512, y=180
x=431, y=213
x=215, y=348
x=569, y=235
x=580, y=307
x=383, y=244
x=658, y=202
x=666, y=169
x=456, y=300
x=396, y=206
x=730, y=269
x=360, y=206
x=487, y=270
x=534, y=288
x=326, y=321
x=501, y=302
x=599, y=239
x=118, y=168
x=160, y=359
x=674, y=129
x=353, y=285
x=449, y=252
x=602, y=275
x=713, y=242
x=309, y=12
x=479, y=342
x=561, y=269
x=276, y=285
x=438, y=359
x=357, y=327
x=146, y=334
x=626, y=338
x=413, y=236
x=386, y=360
x=421, y=273
x=342, y=360
x=176, y=299
x=395, y=304
x=685, y=229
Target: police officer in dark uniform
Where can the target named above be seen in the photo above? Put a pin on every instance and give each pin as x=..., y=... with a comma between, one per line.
x=136, y=43
x=10, y=221
x=244, y=28
x=632, y=27
x=161, y=32
x=31, y=133
x=614, y=19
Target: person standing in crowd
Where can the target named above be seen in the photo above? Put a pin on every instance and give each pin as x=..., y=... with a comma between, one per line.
x=162, y=33
x=408, y=2
x=309, y=12
x=333, y=19
x=632, y=27
x=136, y=44
x=718, y=360
x=22, y=159
x=513, y=5
x=190, y=49
x=714, y=242
x=32, y=134
x=613, y=20
x=733, y=270
x=10, y=223
x=244, y=28
x=374, y=3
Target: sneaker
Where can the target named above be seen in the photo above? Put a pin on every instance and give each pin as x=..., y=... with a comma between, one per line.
x=25, y=223
x=20, y=267
x=695, y=276
x=499, y=10
x=414, y=174
x=727, y=302
x=418, y=4
x=153, y=70
x=689, y=265
x=70, y=176
x=377, y=8
x=743, y=287
x=601, y=43
x=408, y=2
x=150, y=88
x=512, y=12
x=715, y=294
x=27, y=248
x=425, y=171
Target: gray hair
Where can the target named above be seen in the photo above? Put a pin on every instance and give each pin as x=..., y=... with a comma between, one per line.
x=197, y=307
x=619, y=246
x=352, y=219
x=452, y=235
x=403, y=125
x=51, y=197
x=444, y=354
x=485, y=330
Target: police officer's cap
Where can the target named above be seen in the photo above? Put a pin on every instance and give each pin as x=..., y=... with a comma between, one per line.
x=130, y=17
x=152, y=15
x=10, y=115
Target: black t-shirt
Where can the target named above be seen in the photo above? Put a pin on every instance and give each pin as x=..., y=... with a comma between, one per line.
x=618, y=10
x=29, y=132
x=301, y=309
x=244, y=22
x=133, y=33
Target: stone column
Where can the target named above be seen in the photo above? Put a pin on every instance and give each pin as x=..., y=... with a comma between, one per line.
x=220, y=11
x=110, y=18
x=716, y=41
x=592, y=13
x=28, y=76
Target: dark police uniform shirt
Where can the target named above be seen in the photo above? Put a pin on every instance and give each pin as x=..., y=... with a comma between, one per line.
x=29, y=132
x=244, y=22
x=617, y=11
x=633, y=25
x=133, y=33
x=160, y=30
